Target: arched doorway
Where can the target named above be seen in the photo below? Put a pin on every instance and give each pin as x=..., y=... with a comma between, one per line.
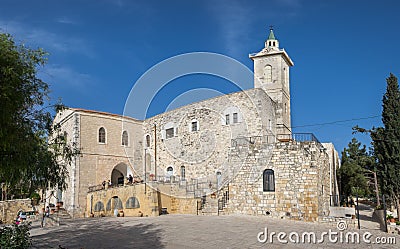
x=118, y=174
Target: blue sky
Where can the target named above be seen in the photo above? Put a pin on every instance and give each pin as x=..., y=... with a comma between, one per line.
x=343, y=51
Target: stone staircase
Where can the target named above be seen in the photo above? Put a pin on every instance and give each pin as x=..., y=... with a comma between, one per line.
x=247, y=159
x=210, y=206
x=58, y=218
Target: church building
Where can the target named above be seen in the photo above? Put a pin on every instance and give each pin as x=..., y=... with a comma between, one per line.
x=231, y=154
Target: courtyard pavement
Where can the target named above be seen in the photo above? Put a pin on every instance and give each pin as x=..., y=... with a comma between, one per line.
x=190, y=231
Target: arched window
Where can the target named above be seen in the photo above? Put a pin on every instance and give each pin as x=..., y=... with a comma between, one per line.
x=268, y=73
x=132, y=202
x=99, y=206
x=102, y=135
x=147, y=140
x=125, y=138
x=183, y=173
x=170, y=173
x=170, y=170
x=269, y=180
x=108, y=207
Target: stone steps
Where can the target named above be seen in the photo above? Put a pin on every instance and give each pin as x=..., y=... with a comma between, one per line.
x=210, y=207
x=57, y=218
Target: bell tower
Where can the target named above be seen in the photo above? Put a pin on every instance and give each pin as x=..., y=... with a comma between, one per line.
x=271, y=73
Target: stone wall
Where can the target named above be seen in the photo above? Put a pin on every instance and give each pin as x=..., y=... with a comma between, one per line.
x=150, y=200
x=301, y=171
x=146, y=205
x=9, y=209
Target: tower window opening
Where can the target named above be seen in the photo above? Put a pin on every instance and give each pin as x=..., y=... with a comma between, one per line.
x=268, y=73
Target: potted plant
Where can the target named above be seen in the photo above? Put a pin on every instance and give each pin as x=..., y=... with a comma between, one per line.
x=121, y=213
x=390, y=218
x=35, y=198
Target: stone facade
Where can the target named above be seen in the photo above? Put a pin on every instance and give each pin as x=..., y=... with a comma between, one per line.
x=205, y=151
x=97, y=161
x=301, y=175
x=233, y=154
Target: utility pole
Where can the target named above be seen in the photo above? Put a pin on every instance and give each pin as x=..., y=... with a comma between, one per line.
x=358, y=211
x=155, y=151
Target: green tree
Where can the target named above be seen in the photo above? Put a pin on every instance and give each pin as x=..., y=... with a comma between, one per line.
x=33, y=153
x=386, y=142
x=15, y=237
x=355, y=160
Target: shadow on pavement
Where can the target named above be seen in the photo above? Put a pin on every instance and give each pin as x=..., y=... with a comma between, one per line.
x=112, y=235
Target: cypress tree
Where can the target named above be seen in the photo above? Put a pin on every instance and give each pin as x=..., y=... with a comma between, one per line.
x=386, y=142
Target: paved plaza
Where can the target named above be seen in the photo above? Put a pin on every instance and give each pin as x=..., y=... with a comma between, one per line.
x=190, y=231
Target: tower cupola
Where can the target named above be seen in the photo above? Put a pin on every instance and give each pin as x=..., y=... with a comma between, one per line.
x=272, y=43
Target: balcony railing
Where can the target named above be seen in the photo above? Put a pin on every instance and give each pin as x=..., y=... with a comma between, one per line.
x=300, y=137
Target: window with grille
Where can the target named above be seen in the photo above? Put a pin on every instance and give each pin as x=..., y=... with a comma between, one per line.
x=99, y=206
x=132, y=202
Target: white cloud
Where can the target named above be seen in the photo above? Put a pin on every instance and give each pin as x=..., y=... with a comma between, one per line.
x=50, y=41
x=57, y=75
x=237, y=18
x=234, y=17
x=66, y=20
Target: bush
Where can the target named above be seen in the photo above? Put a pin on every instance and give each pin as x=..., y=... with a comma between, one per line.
x=15, y=236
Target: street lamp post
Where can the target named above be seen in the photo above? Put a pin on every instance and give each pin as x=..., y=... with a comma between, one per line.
x=378, y=203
